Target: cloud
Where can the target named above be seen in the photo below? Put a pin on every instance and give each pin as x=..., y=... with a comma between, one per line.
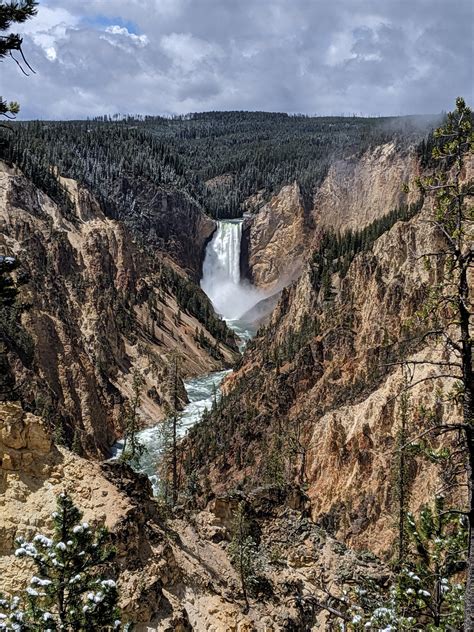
x=121, y=34
x=175, y=56
x=188, y=53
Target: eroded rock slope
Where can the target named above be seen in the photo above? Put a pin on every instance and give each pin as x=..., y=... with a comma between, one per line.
x=317, y=395
x=100, y=309
x=356, y=191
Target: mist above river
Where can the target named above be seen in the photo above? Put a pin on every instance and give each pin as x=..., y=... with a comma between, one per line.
x=230, y=295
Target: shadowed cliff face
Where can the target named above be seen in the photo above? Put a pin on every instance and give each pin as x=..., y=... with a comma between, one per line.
x=279, y=237
x=169, y=221
x=101, y=308
x=316, y=394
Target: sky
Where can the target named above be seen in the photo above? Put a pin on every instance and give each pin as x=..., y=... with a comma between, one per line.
x=364, y=57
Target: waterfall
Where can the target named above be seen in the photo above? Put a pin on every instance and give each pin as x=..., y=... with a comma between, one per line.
x=222, y=262
x=231, y=297
x=221, y=280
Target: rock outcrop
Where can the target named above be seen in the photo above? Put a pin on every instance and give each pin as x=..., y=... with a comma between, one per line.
x=361, y=189
x=169, y=221
x=274, y=240
x=175, y=574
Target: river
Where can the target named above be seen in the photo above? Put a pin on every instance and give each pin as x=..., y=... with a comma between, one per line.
x=231, y=298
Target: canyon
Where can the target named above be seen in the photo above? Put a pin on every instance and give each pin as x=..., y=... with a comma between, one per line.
x=101, y=309
x=304, y=432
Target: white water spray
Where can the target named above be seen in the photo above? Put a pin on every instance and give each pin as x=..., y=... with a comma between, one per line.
x=221, y=280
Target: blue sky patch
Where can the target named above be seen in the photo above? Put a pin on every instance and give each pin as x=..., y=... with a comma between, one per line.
x=102, y=22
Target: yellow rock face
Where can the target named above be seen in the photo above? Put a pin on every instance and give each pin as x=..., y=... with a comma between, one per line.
x=355, y=192
x=23, y=437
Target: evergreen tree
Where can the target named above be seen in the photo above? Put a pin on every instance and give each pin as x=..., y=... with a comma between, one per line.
x=13, y=337
x=449, y=310
x=133, y=448
x=402, y=465
x=244, y=555
x=69, y=591
x=168, y=463
x=8, y=287
x=426, y=593
x=13, y=12
x=172, y=425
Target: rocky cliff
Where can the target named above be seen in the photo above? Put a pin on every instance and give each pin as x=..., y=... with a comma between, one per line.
x=167, y=220
x=100, y=309
x=316, y=398
x=361, y=189
x=356, y=191
x=172, y=574
x=274, y=240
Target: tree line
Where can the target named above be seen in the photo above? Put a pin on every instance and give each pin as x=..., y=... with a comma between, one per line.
x=219, y=159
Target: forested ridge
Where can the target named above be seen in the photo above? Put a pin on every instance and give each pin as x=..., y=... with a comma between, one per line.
x=217, y=159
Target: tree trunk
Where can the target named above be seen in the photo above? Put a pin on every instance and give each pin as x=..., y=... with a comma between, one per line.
x=468, y=418
x=175, y=460
x=469, y=595
x=175, y=433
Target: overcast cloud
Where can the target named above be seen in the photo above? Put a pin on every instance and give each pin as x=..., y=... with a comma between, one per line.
x=175, y=56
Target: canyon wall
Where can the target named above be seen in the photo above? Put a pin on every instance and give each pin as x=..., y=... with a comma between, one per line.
x=274, y=240
x=317, y=395
x=356, y=191
x=99, y=310
x=175, y=573
x=169, y=221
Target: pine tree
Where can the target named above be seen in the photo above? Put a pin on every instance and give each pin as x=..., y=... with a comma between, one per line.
x=69, y=591
x=449, y=310
x=168, y=466
x=13, y=12
x=426, y=593
x=402, y=477
x=174, y=420
x=8, y=287
x=133, y=448
x=244, y=555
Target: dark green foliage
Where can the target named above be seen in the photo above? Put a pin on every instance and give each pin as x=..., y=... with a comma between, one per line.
x=8, y=288
x=294, y=341
x=336, y=252
x=132, y=423
x=450, y=300
x=204, y=342
x=13, y=337
x=69, y=591
x=170, y=465
x=218, y=158
x=13, y=12
x=244, y=554
x=426, y=593
x=429, y=147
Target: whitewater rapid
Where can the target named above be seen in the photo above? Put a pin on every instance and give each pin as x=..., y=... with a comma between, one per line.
x=201, y=392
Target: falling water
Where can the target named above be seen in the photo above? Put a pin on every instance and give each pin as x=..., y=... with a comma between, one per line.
x=230, y=296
